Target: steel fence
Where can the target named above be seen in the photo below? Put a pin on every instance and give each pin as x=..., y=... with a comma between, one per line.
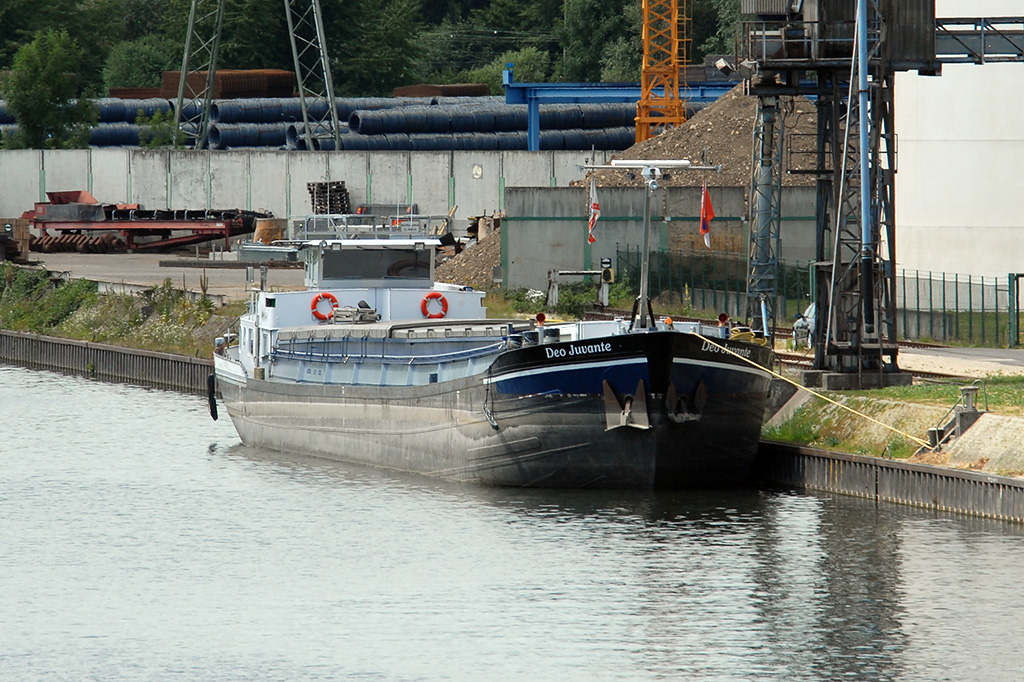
x=707, y=283
x=953, y=308
x=930, y=306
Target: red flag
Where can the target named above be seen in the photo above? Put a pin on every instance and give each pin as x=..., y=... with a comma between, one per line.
x=707, y=214
x=595, y=211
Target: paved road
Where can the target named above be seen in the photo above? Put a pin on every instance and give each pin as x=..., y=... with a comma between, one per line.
x=970, y=362
x=145, y=270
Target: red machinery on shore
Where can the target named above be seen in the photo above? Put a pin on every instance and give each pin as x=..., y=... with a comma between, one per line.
x=78, y=213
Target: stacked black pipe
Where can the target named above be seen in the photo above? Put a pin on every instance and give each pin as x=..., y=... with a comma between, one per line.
x=382, y=123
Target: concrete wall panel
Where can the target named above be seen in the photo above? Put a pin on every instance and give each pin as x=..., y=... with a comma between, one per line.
x=476, y=176
x=431, y=172
x=229, y=180
x=567, y=165
x=797, y=231
x=110, y=175
x=389, y=178
x=527, y=169
x=20, y=187
x=190, y=180
x=961, y=157
x=65, y=169
x=538, y=238
x=682, y=227
x=148, y=179
x=267, y=171
x=351, y=168
x=303, y=168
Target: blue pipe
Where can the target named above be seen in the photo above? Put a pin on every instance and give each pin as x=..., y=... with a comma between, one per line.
x=867, y=286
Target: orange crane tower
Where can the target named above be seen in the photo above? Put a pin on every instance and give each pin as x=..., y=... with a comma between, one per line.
x=666, y=39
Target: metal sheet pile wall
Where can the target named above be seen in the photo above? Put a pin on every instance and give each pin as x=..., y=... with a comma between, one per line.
x=919, y=485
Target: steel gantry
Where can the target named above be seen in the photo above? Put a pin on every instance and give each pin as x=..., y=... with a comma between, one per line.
x=312, y=71
x=845, y=55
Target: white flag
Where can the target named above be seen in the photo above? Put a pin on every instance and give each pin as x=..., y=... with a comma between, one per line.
x=595, y=211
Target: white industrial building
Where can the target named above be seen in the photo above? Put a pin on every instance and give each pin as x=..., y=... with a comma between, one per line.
x=960, y=142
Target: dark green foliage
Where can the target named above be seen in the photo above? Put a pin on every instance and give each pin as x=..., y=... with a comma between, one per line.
x=371, y=45
x=141, y=63
x=255, y=36
x=43, y=92
x=159, y=131
x=374, y=45
x=588, y=27
x=29, y=301
x=714, y=23
x=529, y=66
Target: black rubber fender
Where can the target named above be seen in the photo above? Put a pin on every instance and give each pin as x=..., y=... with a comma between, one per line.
x=211, y=394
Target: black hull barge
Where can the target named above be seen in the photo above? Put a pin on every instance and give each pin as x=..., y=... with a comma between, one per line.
x=378, y=364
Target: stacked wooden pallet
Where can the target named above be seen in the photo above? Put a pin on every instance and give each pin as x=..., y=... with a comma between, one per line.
x=329, y=197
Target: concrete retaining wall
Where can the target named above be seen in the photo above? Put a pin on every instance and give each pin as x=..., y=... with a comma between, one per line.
x=546, y=227
x=273, y=180
x=547, y=219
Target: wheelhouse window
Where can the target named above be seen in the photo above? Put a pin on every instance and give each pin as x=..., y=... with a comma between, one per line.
x=377, y=264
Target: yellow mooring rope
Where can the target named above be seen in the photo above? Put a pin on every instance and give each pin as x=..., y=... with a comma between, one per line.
x=815, y=394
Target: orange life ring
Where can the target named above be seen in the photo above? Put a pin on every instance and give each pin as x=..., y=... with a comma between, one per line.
x=430, y=297
x=322, y=296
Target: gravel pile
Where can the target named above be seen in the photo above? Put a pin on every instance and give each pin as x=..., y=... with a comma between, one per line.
x=723, y=134
x=475, y=265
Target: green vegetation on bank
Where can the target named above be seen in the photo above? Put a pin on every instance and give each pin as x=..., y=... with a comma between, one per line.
x=162, y=319
x=910, y=409
x=574, y=300
x=823, y=425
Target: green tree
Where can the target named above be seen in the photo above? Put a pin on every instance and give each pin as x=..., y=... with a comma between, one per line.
x=717, y=21
x=622, y=58
x=159, y=131
x=530, y=65
x=43, y=92
x=371, y=44
x=141, y=63
x=255, y=36
x=20, y=19
x=589, y=27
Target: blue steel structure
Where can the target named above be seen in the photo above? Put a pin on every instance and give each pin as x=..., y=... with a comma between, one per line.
x=535, y=94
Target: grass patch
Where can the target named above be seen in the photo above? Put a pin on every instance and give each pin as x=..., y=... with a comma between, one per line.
x=574, y=300
x=162, y=319
x=821, y=424
x=1003, y=393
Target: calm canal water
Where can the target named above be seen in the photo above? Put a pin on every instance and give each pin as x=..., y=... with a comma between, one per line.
x=139, y=540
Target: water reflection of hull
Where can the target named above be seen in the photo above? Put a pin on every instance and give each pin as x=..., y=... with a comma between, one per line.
x=640, y=411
